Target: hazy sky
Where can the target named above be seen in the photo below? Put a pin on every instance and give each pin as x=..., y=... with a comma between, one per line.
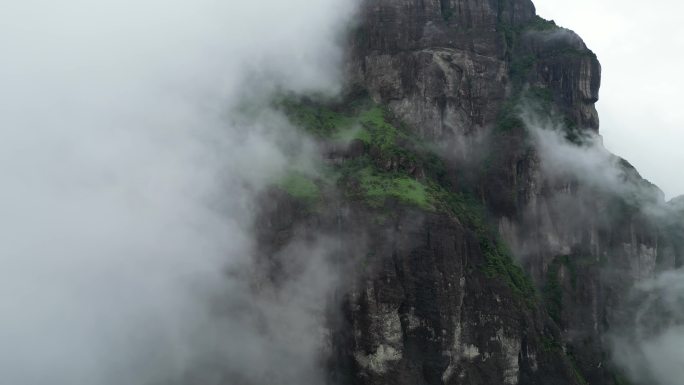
x=640, y=47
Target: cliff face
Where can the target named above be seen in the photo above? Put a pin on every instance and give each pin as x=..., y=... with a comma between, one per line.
x=435, y=296
x=420, y=305
x=446, y=67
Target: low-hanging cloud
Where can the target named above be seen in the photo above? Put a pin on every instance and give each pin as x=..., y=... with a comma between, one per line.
x=647, y=329
x=133, y=135
x=648, y=345
x=639, y=109
x=586, y=160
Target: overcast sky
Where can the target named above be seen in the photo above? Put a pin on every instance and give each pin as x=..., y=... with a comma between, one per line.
x=640, y=46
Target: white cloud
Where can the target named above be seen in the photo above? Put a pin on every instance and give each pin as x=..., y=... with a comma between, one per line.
x=126, y=182
x=640, y=48
x=649, y=348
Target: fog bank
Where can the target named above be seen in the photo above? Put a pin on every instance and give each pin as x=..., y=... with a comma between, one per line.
x=128, y=179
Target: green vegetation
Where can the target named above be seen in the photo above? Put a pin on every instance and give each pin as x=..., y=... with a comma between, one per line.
x=580, y=378
x=553, y=292
x=378, y=186
x=509, y=119
x=499, y=260
x=541, y=95
x=501, y=264
x=551, y=345
x=300, y=186
x=539, y=99
x=520, y=68
x=318, y=121
x=575, y=367
x=387, y=173
x=352, y=133
x=360, y=119
x=379, y=132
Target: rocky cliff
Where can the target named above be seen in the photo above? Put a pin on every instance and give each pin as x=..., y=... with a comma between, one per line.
x=473, y=254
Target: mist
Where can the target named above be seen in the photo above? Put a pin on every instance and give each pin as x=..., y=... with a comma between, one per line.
x=647, y=331
x=133, y=138
x=586, y=160
x=649, y=344
x=639, y=108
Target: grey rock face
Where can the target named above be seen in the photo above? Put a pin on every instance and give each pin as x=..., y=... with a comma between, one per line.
x=419, y=309
x=438, y=64
x=444, y=66
x=447, y=68
x=425, y=315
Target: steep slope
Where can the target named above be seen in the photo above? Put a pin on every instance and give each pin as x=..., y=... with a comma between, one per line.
x=433, y=296
x=448, y=178
x=472, y=74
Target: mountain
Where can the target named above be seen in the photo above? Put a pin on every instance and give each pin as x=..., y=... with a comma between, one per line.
x=484, y=234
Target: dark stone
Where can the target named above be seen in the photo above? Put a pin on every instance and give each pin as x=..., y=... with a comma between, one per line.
x=418, y=308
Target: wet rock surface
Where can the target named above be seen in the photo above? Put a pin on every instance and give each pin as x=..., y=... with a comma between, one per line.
x=418, y=306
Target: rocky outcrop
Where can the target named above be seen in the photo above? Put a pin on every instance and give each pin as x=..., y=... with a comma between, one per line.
x=425, y=314
x=431, y=297
x=446, y=67
x=452, y=71
x=417, y=307
x=438, y=64
x=561, y=62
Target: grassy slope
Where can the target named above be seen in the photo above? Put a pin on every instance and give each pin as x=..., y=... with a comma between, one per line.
x=369, y=179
